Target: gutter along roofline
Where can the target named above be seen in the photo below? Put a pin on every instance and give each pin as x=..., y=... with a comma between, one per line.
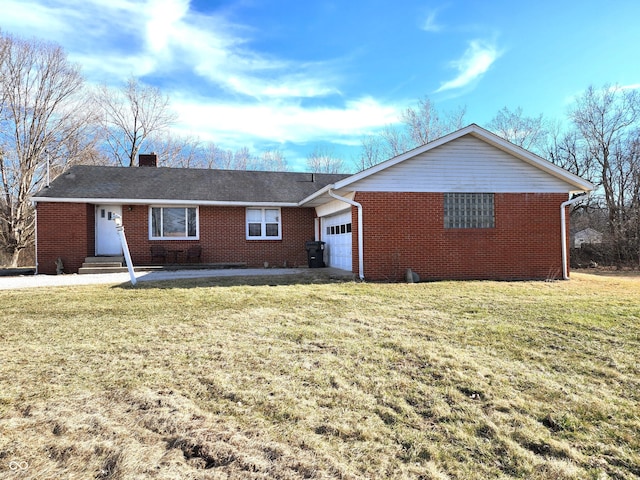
x=156, y=201
x=315, y=194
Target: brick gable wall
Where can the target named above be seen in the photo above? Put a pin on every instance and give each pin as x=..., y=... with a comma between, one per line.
x=406, y=230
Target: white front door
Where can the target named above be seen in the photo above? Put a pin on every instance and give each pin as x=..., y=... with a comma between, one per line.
x=107, y=238
x=336, y=232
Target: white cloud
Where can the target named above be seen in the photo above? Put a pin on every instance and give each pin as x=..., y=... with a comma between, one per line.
x=222, y=58
x=27, y=15
x=231, y=123
x=293, y=86
x=258, y=97
x=633, y=86
x=430, y=23
x=165, y=17
x=105, y=36
x=217, y=51
x=475, y=61
x=114, y=39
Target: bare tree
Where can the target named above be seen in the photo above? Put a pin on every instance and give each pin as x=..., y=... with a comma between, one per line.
x=632, y=218
x=323, y=160
x=420, y=125
x=269, y=160
x=241, y=159
x=608, y=121
x=395, y=141
x=391, y=141
x=43, y=117
x=176, y=151
x=129, y=116
x=424, y=123
x=564, y=148
x=216, y=157
x=526, y=132
x=370, y=152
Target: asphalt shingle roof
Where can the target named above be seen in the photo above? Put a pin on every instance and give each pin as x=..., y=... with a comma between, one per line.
x=184, y=184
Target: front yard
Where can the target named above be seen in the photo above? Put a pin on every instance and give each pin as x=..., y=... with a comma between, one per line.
x=228, y=378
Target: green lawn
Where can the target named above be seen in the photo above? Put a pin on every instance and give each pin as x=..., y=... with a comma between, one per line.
x=234, y=379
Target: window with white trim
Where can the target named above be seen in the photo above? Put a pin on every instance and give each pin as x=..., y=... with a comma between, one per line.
x=173, y=223
x=264, y=224
x=468, y=210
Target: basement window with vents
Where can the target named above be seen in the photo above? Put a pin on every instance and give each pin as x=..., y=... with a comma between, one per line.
x=173, y=223
x=468, y=210
x=264, y=224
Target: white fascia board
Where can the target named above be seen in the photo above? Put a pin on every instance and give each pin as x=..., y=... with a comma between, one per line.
x=319, y=193
x=156, y=201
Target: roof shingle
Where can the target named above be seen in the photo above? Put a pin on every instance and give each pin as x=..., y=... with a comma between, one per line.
x=184, y=184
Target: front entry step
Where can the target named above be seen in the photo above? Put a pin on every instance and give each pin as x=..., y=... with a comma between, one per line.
x=101, y=264
x=110, y=258
x=93, y=265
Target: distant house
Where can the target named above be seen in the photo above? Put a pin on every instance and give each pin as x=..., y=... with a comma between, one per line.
x=456, y=208
x=588, y=236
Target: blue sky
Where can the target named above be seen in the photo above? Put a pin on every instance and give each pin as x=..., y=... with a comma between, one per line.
x=296, y=74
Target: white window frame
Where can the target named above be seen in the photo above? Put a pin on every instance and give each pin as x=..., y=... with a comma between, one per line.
x=185, y=237
x=263, y=224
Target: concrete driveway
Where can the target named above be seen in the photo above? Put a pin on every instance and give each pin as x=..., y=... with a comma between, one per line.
x=30, y=281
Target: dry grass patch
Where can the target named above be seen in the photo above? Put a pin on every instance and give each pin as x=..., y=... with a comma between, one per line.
x=224, y=379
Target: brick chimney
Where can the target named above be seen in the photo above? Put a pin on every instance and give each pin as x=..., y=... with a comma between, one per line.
x=148, y=160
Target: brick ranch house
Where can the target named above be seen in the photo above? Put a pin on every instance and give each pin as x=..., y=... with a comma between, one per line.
x=469, y=205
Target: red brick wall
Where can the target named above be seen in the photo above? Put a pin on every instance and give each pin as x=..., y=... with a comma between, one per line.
x=222, y=237
x=402, y=230
x=406, y=230
x=68, y=231
x=65, y=230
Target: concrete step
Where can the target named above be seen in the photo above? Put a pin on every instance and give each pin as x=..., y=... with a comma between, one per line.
x=115, y=258
x=101, y=269
x=101, y=264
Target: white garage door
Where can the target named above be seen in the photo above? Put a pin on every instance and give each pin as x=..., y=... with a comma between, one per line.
x=336, y=232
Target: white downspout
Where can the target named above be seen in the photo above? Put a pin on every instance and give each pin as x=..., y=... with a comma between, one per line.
x=360, y=232
x=563, y=233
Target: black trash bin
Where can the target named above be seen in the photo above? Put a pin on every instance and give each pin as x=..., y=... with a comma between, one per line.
x=315, y=254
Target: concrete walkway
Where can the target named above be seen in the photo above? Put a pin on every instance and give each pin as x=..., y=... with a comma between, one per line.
x=31, y=281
